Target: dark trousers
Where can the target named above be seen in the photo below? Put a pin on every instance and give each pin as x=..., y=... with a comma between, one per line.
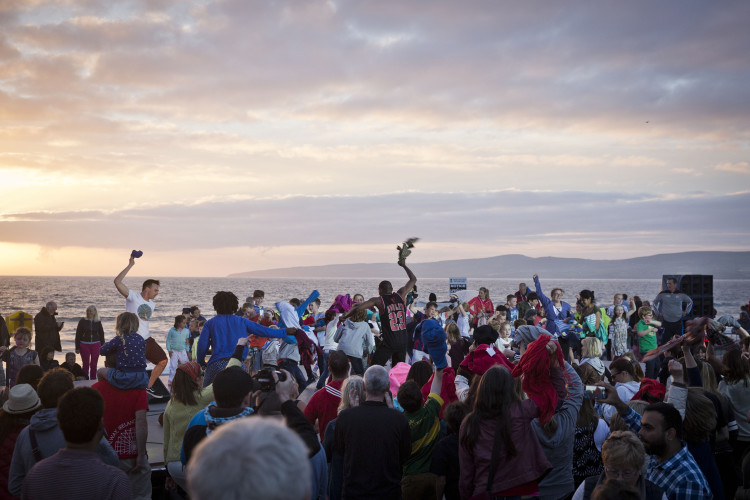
x=357, y=367
x=383, y=353
x=671, y=328
x=323, y=367
x=293, y=367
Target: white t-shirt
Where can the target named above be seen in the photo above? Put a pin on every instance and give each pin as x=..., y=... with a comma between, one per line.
x=463, y=324
x=143, y=309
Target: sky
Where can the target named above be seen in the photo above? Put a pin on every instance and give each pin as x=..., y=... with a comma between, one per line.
x=236, y=135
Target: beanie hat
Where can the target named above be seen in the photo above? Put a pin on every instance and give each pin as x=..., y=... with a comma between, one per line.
x=231, y=384
x=485, y=335
x=651, y=391
x=434, y=340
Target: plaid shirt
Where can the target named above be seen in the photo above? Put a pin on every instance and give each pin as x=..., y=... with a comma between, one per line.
x=679, y=476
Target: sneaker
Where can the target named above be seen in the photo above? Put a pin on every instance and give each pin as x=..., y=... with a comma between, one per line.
x=151, y=392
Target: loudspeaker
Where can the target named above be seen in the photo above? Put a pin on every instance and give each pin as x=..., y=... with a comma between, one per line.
x=699, y=287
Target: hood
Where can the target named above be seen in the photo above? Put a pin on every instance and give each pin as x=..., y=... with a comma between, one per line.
x=629, y=388
x=595, y=363
x=44, y=419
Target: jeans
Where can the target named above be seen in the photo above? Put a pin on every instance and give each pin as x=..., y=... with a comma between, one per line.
x=293, y=367
x=323, y=366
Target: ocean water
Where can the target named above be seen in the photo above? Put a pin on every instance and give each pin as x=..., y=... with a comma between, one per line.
x=74, y=294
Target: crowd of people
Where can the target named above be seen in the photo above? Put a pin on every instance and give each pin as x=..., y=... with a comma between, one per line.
x=536, y=397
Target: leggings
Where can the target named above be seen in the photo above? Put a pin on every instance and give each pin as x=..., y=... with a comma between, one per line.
x=89, y=358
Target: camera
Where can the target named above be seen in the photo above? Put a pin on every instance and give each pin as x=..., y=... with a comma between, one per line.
x=263, y=380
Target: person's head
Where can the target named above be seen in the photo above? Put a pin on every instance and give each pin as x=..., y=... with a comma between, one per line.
x=522, y=288
x=358, y=298
x=420, y=372
x=671, y=284
x=645, y=313
x=22, y=401
x=338, y=364
x=661, y=428
x=637, y=370
x=70, y=358
x=745, y=344
x=225, y=303
x=504, y=330
x=126, y=322
x=591, y=347
x=452, y=332
x=295, y=302
x=623, y=456
x=258, y=296
x=454, y=414
x=410, y=396
x=376, y=382
x=92, y=313
x=511, y=301
x=22, y=337
x=587, y=298
x=484, y=294
x=385, y=287
x=79, y=415
x=618, y=312
x=180, y=321
x=231, y=386
x=430, y=309
x=503, y=310
x=617, y=299
x=47, y=354
x=533, y=299
x=313, y=306
x=556, y=294
x=247, y=309
x=329, y=316
x=736, y=368
x=150, y=289
x=250, y=456
x=359, y=315
x=187, y=381
x=352, y=392
x=612, y=489
x=30, y=374
x=51, y=307
x=494, y=397
x=53, y=385
x=195, y=311
x=700, y=417
x=621, y=370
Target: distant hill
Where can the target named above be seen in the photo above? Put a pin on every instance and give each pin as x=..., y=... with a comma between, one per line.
x=722, y=265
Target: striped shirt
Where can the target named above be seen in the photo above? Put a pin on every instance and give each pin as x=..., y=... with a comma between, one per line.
x=424, y=425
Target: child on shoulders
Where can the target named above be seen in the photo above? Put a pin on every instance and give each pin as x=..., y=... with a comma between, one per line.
x=19, y=355
x=129, y=349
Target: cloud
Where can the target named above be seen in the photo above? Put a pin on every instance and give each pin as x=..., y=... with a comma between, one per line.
x=742, y=167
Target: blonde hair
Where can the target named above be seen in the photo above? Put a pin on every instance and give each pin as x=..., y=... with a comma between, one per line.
x=452, y=332
x=126, y=322
x=352, y=392
x=623, y=448
x=591, y=347
x=92, y=313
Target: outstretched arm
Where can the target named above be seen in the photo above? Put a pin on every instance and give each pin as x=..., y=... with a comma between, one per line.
x=124, y=291
x=412, y=279
x=373, y=302
x=538, y=287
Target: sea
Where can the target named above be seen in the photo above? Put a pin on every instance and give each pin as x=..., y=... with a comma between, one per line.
x=74, y=294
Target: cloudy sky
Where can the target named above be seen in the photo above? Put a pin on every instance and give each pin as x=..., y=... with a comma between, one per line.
x=233, y=135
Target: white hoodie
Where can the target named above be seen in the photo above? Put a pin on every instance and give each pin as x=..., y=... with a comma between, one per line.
x=626, y=391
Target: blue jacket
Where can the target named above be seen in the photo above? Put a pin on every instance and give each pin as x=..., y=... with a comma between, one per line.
x=549, y=309
x=222, y=332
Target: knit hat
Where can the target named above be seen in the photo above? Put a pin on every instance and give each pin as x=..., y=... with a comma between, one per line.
x=529, y=333
x=231, y=384
x=192, y=368
x=485, y=335
x=22, y=399
x=651, y=391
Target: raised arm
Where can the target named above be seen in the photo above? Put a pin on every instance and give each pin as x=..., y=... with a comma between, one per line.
x=412, y=279
x=373, y=302
x=538, y=287
x=124, y=291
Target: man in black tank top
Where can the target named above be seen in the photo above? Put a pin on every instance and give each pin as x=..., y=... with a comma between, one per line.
x=392, y=311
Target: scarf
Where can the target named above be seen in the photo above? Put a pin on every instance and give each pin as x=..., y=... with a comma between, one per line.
x=213, y=422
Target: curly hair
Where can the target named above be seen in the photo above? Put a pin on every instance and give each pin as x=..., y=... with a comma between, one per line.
x=225, y=303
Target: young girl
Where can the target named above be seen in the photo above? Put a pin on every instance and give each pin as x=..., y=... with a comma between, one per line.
x=47, y=359
x=352, y=336
x=20, y=355
x=177, y=342
x=458, y=345
x=130, y=353
x=618, y=332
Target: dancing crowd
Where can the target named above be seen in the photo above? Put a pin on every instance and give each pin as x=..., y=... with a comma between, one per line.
x=379, y=398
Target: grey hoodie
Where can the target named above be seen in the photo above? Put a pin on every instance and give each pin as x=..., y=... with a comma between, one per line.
x=50, y=439
x=626, y=391
x=559, y=447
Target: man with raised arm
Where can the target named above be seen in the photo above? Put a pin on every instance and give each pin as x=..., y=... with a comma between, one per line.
x=392, y=309
x=142, y=304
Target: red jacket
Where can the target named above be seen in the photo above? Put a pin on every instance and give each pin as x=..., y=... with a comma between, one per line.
x=323, y=405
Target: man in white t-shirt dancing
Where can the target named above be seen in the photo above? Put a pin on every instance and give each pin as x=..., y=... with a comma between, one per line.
x=142, y=304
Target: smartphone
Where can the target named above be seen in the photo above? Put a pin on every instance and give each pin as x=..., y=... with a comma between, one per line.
x=595, y=392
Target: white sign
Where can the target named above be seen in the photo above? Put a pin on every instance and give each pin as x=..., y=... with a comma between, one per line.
x=457, y=284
